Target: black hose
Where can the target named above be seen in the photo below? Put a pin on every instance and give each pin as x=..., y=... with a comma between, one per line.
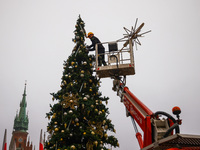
x=116, y=72
x=116, y=60
x=165, y=114
x=176, y=127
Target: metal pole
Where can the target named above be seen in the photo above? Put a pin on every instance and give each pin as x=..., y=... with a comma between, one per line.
x=134, y=124
x=96, y=48
x=138, y=134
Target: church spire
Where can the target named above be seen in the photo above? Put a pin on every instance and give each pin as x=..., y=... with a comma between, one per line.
x=21, y=119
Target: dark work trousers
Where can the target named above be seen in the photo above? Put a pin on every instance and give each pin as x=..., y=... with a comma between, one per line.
x=101, y=59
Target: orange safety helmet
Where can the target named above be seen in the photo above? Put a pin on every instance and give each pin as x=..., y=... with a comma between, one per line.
x=90, y=33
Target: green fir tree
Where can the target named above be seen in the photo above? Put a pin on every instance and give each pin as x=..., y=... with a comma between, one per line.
x=79, y=117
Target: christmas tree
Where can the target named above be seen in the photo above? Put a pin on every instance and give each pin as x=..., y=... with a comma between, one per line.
x=79, y=117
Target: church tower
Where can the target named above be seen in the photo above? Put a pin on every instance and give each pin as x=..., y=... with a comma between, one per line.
x=19, y=135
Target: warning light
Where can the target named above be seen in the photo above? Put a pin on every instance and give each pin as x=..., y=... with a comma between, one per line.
x=176, y=110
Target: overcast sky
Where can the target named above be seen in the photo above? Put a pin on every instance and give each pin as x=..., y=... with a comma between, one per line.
x=36, y=38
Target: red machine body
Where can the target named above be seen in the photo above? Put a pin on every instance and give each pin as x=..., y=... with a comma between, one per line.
x=150, y=123
x=141, y=114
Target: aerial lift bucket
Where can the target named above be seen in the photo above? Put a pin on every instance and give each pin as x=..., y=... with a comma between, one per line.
x=119, y=62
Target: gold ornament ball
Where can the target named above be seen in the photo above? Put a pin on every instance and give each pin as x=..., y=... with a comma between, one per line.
x=114, y=130
x=62, y=131
x=83, y=106
x=55, y=122
x=90, y=90
x=72, y=63
x=90, y=81
x=82, y=75
x=104, y=121
x=103, y=110
x=73, y=147
x=96, y=110
x=84, y=133
x=56, y=129
x=77, y=124
x=76, y=66
x=105, y=135
x=82, y=71
x=85, y=98
x=61, y=139
x=92, y=133
x=118, y=144
x=85, y=63
x=95, y=143
x=92, y=106
x=76, y=119
x=70, y=111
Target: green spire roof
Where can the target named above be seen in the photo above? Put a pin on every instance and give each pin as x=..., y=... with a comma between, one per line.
x=21, y=119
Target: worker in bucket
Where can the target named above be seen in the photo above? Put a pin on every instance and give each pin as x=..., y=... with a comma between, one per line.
x=101, y=49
